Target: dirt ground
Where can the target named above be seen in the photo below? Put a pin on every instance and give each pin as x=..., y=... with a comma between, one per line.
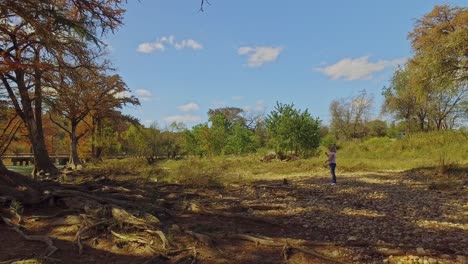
x=366, y=218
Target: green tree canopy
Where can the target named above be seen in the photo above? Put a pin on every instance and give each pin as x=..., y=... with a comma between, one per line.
x=291, y=130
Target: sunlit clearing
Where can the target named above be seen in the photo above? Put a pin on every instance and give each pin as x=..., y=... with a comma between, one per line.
x=441, y=225
x=361, y=212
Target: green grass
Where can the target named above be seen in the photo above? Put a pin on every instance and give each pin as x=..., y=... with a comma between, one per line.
x=438, y=151
x=25, y=170
x=434, y=149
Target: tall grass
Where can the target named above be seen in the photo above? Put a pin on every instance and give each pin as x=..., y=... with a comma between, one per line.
x=439, y=150
x=433, y=149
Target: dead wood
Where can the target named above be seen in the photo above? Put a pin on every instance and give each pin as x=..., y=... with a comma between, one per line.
x=51, y=249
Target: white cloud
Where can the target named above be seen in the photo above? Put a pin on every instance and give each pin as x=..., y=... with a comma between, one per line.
x=188, y=43
x=161, y=43
x=188, y=107
x=237, y=98
x=144, y=95
x=244, y=50
x=168, y=39
x=148, y=47
x=357, y=69
x=257, y=56
x=183, y=119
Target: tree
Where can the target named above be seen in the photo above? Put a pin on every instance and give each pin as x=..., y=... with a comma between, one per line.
x=291, y=130
x=75, y=94
x=432, y=87
x=376, y=128
x=240, y=141
x=107, y=129
x=415, y=98
x=349, y=117
x=439, y=41
x=402, y=101
x=197, y=140
x=8, y=127
x=107, y=107
x=37, y=37
x=231, y=115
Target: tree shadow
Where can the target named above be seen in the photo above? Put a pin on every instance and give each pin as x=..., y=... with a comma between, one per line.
x=377, y=210
x=384, y=210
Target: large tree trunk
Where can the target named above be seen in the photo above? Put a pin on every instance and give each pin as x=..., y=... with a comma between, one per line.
x=42, y=161
x=32, y=118
x=74, y=158
x=96, y=149
x=2, y=166
x=17, y=186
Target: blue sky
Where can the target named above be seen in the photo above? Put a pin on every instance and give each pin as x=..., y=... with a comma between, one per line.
x=249, y=54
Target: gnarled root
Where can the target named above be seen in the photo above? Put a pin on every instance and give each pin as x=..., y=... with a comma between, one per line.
x=286, y=247
x=51, y=249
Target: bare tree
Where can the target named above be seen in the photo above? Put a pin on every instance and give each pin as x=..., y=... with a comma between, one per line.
x=350, y=116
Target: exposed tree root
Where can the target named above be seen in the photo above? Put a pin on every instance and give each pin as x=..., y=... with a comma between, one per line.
x=272, y=243
x=51, y=249
x=123, y=216
x=82, y=231
x=201, y=237
x=106, y=200
x=131, y=238
x=162, y=236
x=18, y=186
x=58, y=214
x=166, y=256
x=29, y=261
